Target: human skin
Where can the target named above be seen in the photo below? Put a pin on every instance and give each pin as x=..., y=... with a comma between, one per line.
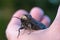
x=51, y=33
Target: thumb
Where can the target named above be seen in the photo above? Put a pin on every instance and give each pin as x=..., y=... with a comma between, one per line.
x=56, y=23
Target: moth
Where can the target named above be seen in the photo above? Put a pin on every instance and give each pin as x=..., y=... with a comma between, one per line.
x=29, y=23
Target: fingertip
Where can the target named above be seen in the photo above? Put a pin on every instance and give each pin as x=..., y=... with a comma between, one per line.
x=46, y=21
x=37, y=13
x=19, y=13
x=37, y=9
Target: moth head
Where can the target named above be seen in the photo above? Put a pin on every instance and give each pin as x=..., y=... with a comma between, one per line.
x=24, y=17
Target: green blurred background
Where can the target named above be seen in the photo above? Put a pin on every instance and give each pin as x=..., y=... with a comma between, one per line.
x=8, y=7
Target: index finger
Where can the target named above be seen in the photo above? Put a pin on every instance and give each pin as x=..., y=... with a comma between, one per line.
x=17, y=14
x=14, y=24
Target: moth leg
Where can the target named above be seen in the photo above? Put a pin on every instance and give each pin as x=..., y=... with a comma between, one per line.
x=19, y=30
x=30, y=29
x=23, y=31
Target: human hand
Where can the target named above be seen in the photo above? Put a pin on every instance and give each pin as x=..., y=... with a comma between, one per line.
x=51, y=33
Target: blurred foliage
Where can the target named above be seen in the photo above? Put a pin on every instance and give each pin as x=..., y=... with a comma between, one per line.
x=8, y=7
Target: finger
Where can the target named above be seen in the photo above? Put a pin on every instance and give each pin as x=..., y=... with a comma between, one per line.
x=14, y=24
x=37, y=13
x=46, y=21
x=15, y=18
